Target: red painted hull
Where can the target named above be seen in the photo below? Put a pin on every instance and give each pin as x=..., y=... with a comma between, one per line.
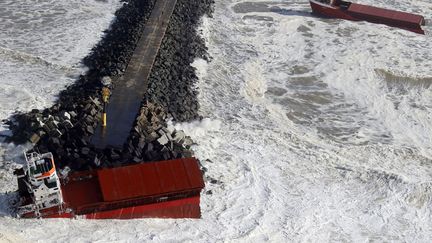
x=182, y=208
x=358, y=12
x=163, y=189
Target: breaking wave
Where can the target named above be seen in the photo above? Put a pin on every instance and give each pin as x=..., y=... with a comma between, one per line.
x=26, y=58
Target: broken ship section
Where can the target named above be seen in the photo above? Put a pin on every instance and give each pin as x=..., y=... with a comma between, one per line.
x=359, y=12
x=163, y=189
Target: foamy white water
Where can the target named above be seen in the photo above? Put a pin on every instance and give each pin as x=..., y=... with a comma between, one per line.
x=41, y=46
x=318, y=130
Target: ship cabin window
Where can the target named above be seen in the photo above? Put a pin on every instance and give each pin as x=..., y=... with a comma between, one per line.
x=42, y=166
x=50, y=184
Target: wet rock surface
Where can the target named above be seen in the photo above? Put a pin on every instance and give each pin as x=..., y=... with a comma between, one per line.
x=172, y=81
x=65, y=129
x=150, y=140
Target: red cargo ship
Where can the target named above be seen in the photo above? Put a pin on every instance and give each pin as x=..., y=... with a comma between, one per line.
x=163, y=189
x=358, y=12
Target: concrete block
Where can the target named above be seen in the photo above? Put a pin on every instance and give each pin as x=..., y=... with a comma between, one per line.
x=179, y=136
x=163, y=140
x=67, y=124
x=34, y=138
x=65, y=115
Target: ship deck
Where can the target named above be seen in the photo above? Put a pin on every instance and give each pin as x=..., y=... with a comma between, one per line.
x=144, y=183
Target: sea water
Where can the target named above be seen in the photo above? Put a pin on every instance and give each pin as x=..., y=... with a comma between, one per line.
x=315, y=130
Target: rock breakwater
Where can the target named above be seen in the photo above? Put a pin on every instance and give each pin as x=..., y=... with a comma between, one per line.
x=65, y=129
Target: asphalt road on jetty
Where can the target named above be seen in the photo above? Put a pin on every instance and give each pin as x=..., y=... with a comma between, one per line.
x=130, y=88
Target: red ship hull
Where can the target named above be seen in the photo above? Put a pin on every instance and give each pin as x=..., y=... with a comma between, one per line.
x=358, y=12
x=163, y=189
x=330, y=11
x=182, y=208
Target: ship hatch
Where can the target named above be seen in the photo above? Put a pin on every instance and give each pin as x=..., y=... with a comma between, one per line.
x=150, y=179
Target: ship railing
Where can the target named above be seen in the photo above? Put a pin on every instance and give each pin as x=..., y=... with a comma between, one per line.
x=53, y=200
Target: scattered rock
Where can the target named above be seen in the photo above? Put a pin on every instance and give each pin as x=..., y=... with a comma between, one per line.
x=214, y=181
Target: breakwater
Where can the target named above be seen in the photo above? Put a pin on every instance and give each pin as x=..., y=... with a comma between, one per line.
x=66, y=128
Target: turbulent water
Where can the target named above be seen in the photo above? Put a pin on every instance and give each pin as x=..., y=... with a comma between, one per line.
x=41, y=45
x=317, y=129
